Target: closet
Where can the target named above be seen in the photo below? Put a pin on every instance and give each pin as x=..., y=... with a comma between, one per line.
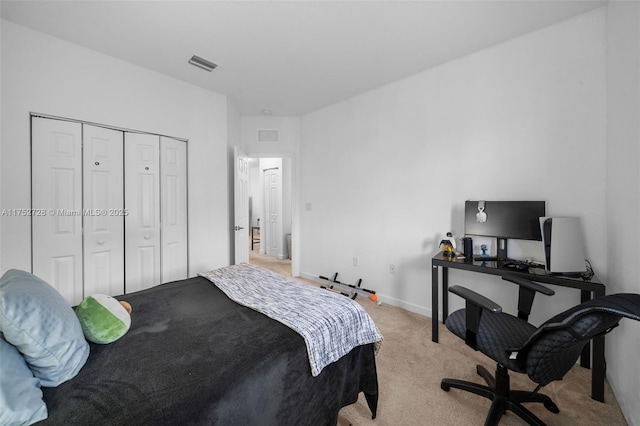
x=109, y=208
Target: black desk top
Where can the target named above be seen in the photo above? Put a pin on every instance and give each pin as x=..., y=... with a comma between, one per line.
x=497, y=267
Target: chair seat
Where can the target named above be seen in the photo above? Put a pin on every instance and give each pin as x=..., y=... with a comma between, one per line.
x=495, y=333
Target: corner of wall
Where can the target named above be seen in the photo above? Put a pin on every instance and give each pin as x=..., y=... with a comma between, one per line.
x=623, y=189
x=1, y=138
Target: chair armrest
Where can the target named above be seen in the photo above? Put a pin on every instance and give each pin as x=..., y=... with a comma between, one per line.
x=476, y=298
x=475, y=303
x=527, y=283
x=526, y=294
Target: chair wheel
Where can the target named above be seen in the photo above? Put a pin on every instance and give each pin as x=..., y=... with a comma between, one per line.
x=551, y=407
x=445, y=387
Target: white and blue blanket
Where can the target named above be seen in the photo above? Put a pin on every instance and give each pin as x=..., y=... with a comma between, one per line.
x=331, y=324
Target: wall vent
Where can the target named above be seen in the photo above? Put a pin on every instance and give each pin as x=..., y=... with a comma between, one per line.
x=268, y=135
x=202, y=63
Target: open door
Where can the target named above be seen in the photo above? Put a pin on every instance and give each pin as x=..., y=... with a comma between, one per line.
x=241, y=206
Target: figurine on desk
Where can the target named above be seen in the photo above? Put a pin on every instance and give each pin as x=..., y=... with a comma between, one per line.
x=484, y=257
x=448, y=246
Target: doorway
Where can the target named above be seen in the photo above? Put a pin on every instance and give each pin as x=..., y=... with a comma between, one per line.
x=270, y=214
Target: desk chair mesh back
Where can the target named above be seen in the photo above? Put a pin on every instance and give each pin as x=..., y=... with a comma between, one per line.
x=544, y=353
x=554, y=347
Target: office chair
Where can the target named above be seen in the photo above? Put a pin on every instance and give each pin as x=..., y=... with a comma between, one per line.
x=544, y=353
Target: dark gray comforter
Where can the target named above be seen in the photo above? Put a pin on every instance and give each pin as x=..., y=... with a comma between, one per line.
x=193, y=356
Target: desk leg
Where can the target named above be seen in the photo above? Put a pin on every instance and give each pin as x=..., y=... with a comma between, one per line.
x=598, y=370
x=434, y=303
x=445, y=294
x=585, y=356
x=599, y=366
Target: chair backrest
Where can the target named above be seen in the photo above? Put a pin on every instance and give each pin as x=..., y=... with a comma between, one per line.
x=553, y=349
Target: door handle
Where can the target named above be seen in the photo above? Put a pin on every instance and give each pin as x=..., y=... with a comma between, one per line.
x=237, y=228
x=146, y=237
x=100, y=242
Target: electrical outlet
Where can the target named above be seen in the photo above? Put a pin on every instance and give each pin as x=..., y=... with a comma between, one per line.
x=356, y=261
x=392, y=268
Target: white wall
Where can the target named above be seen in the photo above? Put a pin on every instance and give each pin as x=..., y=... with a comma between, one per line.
x=552, y=115
x=47, y=75
x=623, y=195
x=386, y=174
x=289, y=131
x=255, y=191
x=1, y=202
x=287, y=202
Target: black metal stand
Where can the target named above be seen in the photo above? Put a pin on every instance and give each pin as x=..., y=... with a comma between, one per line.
x=349, y=290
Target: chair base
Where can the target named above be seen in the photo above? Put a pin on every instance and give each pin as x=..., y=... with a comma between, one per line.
x=498, y=391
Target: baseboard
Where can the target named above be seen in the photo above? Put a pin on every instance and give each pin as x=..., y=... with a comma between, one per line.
x=411, y=307
x=308, y=276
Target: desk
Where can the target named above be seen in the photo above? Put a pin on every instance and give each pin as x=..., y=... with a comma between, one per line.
x=588, y=290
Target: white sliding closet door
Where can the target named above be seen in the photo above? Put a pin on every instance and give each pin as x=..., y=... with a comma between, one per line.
x=110, y=208
x=173, y=186
x=103, y=204
x=56, y=180
x=142, y=201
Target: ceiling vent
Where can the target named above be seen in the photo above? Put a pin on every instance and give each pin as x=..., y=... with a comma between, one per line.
x=202, y=63
x=267, y=135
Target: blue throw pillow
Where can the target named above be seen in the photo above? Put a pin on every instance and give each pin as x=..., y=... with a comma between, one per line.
x=37, y=320
x=20, y=395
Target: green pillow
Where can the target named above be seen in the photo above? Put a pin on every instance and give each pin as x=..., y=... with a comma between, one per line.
x=103, y=318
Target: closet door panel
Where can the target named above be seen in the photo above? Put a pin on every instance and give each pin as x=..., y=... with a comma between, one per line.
x=103, y=199
x=56, y=188
x=173, y=186
x=142, y=202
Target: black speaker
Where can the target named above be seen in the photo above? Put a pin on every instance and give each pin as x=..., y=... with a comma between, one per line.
x=467, y=244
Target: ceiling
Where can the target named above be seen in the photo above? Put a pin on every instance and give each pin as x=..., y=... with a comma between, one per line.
x=290, y=57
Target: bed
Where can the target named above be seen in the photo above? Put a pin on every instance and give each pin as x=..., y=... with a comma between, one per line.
x=194, y=356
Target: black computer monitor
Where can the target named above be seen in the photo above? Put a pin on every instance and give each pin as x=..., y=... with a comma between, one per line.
x=504, y=220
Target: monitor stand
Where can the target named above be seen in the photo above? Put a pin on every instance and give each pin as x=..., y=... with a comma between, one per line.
x=502, y=249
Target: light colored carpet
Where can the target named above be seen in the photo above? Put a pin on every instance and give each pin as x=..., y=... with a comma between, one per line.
x=282, y=267
x=410, y=368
